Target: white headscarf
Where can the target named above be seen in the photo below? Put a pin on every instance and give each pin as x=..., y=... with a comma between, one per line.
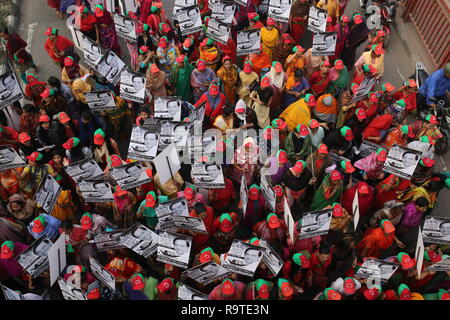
x=277, y=80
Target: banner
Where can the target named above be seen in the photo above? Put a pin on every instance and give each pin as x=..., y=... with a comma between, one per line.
x=110, y=66
x=223, y=12
x=10, y=89
x=243, y=258
x=129, y=175
x=92, y=52
x=9, y=158
x=317, y=20
x=84, y=169
x=280, y=10
x=168, y=108
x=143, y=144
x=132, y=86
x=324, y=44
x=190, y=20
x=174, y=249
x=316, y=223
x=402, y=161
x=125, y=27
x=100, y=100
x=34, y=259
x=248, y=41
x=47, y=193
x=218, y=31
x=436, y=230
x=208, y=176
x=96, y=190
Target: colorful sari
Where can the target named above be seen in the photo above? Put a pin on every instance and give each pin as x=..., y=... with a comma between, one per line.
x=370, y=165
x=198, y=78
x=209, y=55
x=64, y=207
x=327, y=194
x=246, y=80
x=296, y=113
x=108, y=34
x=229, y=79
x=388, y=189
x=260, y=61
x=269, y=39
x=180, y=80
x=297, y=24
x=376, y=241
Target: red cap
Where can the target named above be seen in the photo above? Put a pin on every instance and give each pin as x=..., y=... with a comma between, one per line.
x=248, y=67
x=349, y=285
x=310, y=99
x=226, y=225
x=344, y=18
x=381, y=155
x=363, y=188
x=98, y=12
x=302, y=129
x=372, y=293
x=378, y=49
x=286, y=289
x=228, y=287
x=44, y=118
x=278, y=190
x=119, y=191
x=338, y=211
x=411, y=83
x=265, y=82
x=180, y=58
x=358, y=19
x=278, y=66
x=273, y=221
x=94, y=294
x=313, y=123
x=214, y=89
x=99, y=139
x=335, y=175
x=24, y=137
x=329, y=19
x=189, y=193
x=86, y=222
x=137, y=282
x=427, y=162
x=34, y=156
x=46, y=93
x=162, y=43
x=325, y=63
x=165, y=285
x=299, y=166
x=432, y=119
x=165, y=28
x=339, y=64
x=7, y=250
x=361, y=114
x=150, y=199
x=253, y=192
x=63, y=117
x=373, y=97
x=68, y=61
x=38, y=225
x=206, y=255
x=270, y=22
x=201, y=65
x=154, y=68
x=282, y=157
x=323, y=148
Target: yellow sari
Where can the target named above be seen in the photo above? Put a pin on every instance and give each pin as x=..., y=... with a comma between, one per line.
x=269, y=39
x=296, y=63
x=297, y=113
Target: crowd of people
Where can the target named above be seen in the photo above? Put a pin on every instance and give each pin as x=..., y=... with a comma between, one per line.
x=308, y=99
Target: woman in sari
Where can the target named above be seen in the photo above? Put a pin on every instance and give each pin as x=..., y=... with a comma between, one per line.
x=318, y=161
x=357, y=35
x=228, y=74
x=299, y=19
x=72, y=71
x=246, y=77
x=299, y=112
x=365, y=198
x=295, y=89
x=201, y=78
x=329, y=192
x=342, y=30
x=259, y=61
x=225, y=121
x=228, y=49
x=214, y=103
x=156, y=81
x=283, y=48
x=261, y=98
x=388, y=189
x=278, y=80
x=294, y=62
x=320, y=79
x=372, y=165
x=377, y=240
x=181, y=76
x=392, y=210
x=246, y=161
x=156, y=16
x=123, y=207
x=332, y=7
x=34, y=89
x=209, y=53
x=339, y=77
x=9, y=183
x=64, y=207
x=269, y=37
x=108, y=36
x=22, y=209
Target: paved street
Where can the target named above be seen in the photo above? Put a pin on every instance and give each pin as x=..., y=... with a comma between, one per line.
x=36, y=17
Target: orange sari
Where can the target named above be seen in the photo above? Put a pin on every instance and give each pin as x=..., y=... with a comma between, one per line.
x=377, y=241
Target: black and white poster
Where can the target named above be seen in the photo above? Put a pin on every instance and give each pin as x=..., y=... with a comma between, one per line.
x=197, y=115
x=96, y=190
x=174, y=249
x=208, y=176
x=187, y=293
x=271, y=258
x=125, y=27
x=10, y=294
x=243, y=258
x=206, y=273
x=9, y=158
x=324, y=44
x=100, y=100
x=47, y=194
x=84, y=169
x=190, y=20
x=316, y=223
x=240, y=2
x=108, y=240
x=201, y=145
x=132, y=86
x=10, y=89
x=180, y=4
x=402, y=161
x=168, y=108
x=376, y=269
x=130, y=5
x=102, y=274
x=143, y=144
x=130, y=175
x=268, y=192
x=244, y=195
x=280, y=10
x=218, y=31
x=366, y=149
x=71, y=291
x=436, y=230
x=443, y=265
x=223, y=12
x=77, y=37
x=34, y=259
x=57, y=258
x=248, y=41
x=167, y=163
x=364, y=88
x=317, y=21
x=182, y=222
x=289, y=220
x=177, y=207
x=140, y=239
x=92, y=52
x=176, y=132
x=111, y=66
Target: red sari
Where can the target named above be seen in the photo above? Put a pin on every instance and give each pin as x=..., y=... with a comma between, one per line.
x=365, y=201
x=395, y=185
x=229, y=49
x=377, y=241
x=213, y=106
x=319, y=83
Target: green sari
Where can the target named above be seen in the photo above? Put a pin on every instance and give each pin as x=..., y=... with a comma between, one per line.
x=181, y=80
x=319, y=201
x=340, y=83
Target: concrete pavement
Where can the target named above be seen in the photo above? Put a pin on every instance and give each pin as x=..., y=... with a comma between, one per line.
x=36, y=17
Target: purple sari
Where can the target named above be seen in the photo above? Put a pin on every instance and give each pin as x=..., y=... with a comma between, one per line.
x=108, y=34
